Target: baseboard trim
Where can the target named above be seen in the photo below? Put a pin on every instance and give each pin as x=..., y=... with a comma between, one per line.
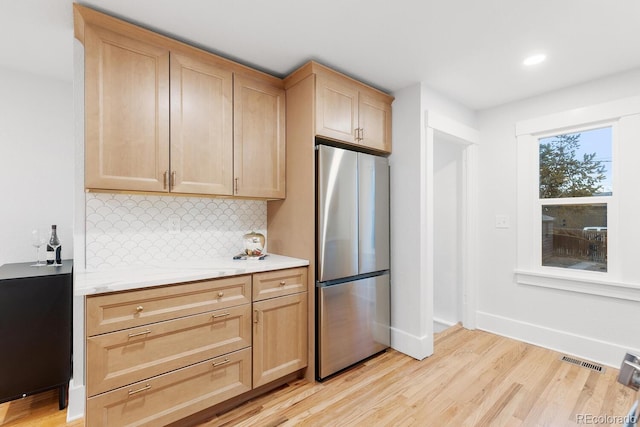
x=440, y=325
x=411, y=345
x=581, y=346
x=75, y=407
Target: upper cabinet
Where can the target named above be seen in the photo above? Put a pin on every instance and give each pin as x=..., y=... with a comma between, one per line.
x=259, y=146
x=126, y=112
x=350, y=112
x=162, y=116
x=201, y=126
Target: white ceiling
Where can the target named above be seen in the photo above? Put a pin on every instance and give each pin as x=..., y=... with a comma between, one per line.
x=469, y=50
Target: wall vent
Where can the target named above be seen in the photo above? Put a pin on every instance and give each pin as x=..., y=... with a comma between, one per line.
x=582, y=363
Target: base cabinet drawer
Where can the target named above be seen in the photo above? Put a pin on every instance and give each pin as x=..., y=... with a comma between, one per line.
x=112, y=312
x=170, y=397
x=124, y=357
x=278, y=283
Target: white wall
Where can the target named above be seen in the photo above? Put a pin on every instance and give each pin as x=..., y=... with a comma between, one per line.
x=597, y=328
x=36, y=162
x=408, y=318
x=411, y=289
x=447, y=287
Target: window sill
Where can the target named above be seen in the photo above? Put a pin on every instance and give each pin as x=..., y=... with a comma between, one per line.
x=583, y=285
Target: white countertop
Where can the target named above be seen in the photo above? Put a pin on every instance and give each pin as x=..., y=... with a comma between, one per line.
x=156, y=274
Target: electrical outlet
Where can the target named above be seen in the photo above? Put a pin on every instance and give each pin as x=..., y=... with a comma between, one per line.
x=173, y=224
x=502, y=221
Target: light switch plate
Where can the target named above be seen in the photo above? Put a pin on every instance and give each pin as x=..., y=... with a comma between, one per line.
x=502, y=221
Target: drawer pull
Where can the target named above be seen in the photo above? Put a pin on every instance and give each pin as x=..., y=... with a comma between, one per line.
x=224, y=362
x=145, y=388
x=220, y=294
x=137, y=334
x=217, y=316
x=282, y=283
x=139, y=308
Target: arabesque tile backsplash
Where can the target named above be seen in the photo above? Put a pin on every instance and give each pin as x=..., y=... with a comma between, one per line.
x=126, y=229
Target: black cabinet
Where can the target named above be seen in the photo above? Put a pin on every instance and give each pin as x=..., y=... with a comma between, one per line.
x=35, y=329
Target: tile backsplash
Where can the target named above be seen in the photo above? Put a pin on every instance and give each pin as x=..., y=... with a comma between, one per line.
x=126, y=229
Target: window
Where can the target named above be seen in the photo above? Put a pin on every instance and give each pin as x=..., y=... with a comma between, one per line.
x=574, y=170
x=578, y=201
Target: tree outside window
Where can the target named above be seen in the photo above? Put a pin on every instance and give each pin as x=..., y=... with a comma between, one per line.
x=575, y=174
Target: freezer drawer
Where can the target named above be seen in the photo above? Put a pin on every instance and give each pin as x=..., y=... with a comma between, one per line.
x=353, y=322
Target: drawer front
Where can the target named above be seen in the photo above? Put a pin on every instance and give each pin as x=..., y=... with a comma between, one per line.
x=279, y=282
x=113, y=312
x=167, y=398
x=124, y=357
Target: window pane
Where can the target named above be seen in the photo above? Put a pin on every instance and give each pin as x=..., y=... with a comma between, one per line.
x=575, y=236
x=576, y=164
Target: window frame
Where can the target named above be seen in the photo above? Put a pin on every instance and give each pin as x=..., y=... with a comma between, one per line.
x=529, y=269
x=610, y=201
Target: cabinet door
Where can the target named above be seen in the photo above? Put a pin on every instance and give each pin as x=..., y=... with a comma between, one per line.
x=336, y=109
x=201, y=126
x=126, y=112
x=375, y=121
x=279, y=337
x=259, y=144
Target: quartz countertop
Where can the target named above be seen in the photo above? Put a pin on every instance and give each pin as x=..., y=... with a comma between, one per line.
x=155, y=274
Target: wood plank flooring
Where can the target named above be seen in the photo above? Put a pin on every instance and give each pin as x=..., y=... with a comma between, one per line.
x=474, y=378
x=38, y=410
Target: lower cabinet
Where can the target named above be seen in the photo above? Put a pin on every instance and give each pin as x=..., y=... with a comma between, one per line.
x=170, y=397
x=279, y=337
x=124, y=357
x=157, y=355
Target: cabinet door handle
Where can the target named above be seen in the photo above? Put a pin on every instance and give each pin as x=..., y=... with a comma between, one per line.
x=255, y=316
x=139, y=308
x=164, y=180
x=140, y=390
x=236, y=185
x=137, y=334
x=217, y=316
x=282, y=283
x=172, y=183
x=361, y=134
x=220, y=294
x=224, y=362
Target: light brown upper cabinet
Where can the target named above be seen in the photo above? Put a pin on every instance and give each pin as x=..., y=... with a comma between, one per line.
x=201, y=126
x=351, y=112
x=162, y=116
x=126, y=112
x=259, y=146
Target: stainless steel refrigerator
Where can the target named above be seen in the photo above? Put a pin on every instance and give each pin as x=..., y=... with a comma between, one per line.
x=352, y=191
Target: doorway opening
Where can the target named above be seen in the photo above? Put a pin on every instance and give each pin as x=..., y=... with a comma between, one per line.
x=448, y=204
x=451, y=213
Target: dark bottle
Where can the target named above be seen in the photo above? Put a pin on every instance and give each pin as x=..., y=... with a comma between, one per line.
x=54, y=242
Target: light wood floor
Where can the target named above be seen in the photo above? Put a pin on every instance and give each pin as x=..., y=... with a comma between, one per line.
x=39, y=410
x=473, y=379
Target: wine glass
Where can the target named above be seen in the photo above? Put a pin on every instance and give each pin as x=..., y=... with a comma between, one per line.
x=55, y=247
x=38, y=238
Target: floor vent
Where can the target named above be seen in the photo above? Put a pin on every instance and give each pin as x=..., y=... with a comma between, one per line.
x=588, y=365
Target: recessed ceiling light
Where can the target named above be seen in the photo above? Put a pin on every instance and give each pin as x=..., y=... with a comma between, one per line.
x=534, y=59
